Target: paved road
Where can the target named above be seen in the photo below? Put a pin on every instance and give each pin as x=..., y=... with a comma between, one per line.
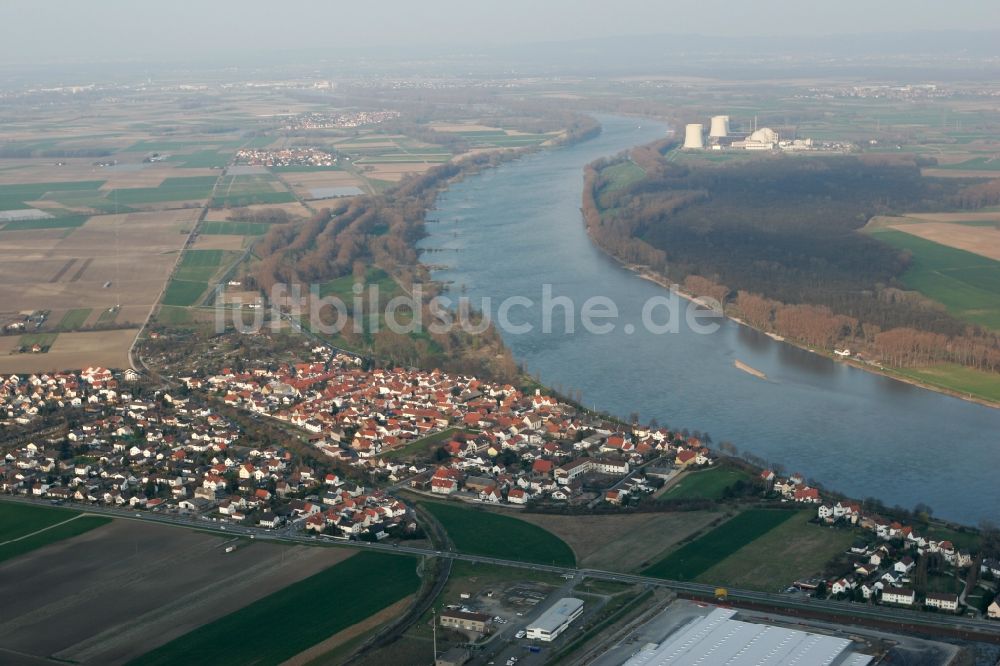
x=793, y=602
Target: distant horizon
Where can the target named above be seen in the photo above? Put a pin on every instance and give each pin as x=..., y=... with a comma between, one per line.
x=62, y=31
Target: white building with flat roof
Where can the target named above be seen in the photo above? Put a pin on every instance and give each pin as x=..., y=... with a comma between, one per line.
x=720, y=640
x=555, y=620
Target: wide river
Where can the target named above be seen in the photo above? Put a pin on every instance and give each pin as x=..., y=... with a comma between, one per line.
x=508, y=231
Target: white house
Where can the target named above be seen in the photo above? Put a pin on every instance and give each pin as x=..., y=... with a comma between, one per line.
x=942, y=601
x=902, y=596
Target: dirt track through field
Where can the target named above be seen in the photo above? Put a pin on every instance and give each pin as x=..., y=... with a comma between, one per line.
x=63, y=270
x=84, y=267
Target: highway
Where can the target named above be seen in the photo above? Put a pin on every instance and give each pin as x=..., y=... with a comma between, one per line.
x=289, y=534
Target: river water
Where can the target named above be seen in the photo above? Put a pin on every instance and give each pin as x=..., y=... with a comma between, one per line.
x=510, y=230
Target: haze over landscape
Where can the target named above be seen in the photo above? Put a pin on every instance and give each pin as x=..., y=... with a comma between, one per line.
x=477, y=333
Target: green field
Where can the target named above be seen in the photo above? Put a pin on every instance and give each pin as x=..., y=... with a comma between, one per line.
x=13, y=197
x=19, y=520
x=157, y=146
x=966, y=284
x=204, y=159
x=962, y=540
x=75, y=527
x=199, y=265
x=794, y=549
x=234, y=228
x=424, y=445
x=238, y=200
x=622, y=175
x=484, y=533
x=976, y=163
x=108, y=315
x=171, y=189
x=68, y=222
x=698, y=556
x=236, y=191
x=183, y=292
x=44, y=340
x=958, y=378
x=707, y=484
x=16, y=520
x=74, y=319
x=94, y=199
x=343, y=288
x=294, y=619
x=173, y=315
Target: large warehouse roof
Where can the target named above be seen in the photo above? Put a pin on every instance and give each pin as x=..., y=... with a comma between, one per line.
x=554, y=617
x=719, y=639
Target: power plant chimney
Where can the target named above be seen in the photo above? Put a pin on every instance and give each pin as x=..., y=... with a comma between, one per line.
x=692, y=136
x=720, y=127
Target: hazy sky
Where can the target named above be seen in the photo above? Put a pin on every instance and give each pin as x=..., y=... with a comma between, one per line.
x=46, y=30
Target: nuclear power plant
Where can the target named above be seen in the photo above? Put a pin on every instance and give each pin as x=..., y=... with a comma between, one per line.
x=719, y=127
x=692, y=136
x=722, y=137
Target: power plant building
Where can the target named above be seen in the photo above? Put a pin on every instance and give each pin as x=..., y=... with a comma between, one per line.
x=693, y=136
x=763, y=139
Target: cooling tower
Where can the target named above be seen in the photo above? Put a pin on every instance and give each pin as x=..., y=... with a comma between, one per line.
x=692, y=136
x=720, y=127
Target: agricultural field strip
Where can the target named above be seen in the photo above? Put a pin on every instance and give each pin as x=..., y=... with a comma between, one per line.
x=695, y=557
x=39, y=531
x=697, y=589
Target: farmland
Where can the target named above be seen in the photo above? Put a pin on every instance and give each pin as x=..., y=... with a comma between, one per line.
x=66, y=222
x=75, y=350
x=300, y=614
x=484, y=533
x=107, y=261
x=183, y=293
x=17, y=520
x=198, y=265
x=794, y=549
x=68, y=529
x=244, y=190
x=234, y=228
x=958, y=378
x=16, y=196
x=623, y=542
x=74, y=319
x=182, y=188
x=125, y=587
x=698, y=556
x=965, y=283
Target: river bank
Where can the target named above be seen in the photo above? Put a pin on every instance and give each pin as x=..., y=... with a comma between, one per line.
x=645, y=273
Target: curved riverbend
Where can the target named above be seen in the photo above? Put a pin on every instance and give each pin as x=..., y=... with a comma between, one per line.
x=507, y=231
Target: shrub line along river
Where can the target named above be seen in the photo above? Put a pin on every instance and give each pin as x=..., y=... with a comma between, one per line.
x=507, y=231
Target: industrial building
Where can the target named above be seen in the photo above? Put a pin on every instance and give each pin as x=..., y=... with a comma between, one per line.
x=466, y=621
x=719, y=639
x=555, y=620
